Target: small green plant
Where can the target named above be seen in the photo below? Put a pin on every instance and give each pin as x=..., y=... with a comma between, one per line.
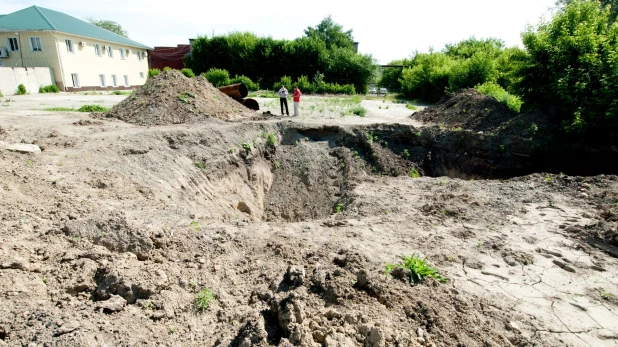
x=359, y=111
x=52, y=88
x=93, y=108
x=246, y=146
x=120, y=92
x=371, y=138
x=21, y=89
x=339, y=208
x=605, y=295
x=387, y=106
x=533, y=128
x=419, y=269
x=414, y=173
x=173, y=330
x=405, y=154
x=153, y=72
x=28, y=162
x=272, y=139
x=148, y=305
x=276, y=165
x=195, y=225
x=203, y=299
x=167, y=68
x=410, y=106
x=187, y=72
x=479, y=243
x=548, y=179
x=200, y=166
x=45, y=280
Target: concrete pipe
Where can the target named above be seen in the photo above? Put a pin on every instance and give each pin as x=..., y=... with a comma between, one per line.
x=236, y=91
x=250, y=104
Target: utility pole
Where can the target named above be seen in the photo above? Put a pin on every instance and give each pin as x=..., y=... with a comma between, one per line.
x=21, y=56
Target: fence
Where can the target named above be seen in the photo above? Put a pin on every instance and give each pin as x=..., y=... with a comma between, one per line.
x=31, y=77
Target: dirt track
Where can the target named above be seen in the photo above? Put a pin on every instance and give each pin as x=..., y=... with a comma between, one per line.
x=108, y=234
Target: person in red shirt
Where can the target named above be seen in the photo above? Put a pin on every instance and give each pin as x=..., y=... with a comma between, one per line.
x=296, y=96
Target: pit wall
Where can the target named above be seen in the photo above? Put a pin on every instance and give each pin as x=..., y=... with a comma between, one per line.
x=32, y=78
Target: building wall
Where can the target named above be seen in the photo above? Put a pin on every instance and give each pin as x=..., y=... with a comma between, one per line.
x=31, y=77
x=82, y=61
x=88, y=66
x=26, y=57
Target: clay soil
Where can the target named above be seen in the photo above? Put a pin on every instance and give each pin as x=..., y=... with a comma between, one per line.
x=111, y=232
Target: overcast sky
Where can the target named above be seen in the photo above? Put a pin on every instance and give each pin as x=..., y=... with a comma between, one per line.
x=386, y=29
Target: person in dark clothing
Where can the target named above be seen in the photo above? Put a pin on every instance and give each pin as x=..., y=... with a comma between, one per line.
x=283, y=100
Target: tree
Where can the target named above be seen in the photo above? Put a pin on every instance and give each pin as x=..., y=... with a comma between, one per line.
x=331, y=33
x=613, y=4
x=573, y=67
x=109, y=26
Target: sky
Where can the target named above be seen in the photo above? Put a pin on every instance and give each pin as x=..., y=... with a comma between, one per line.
x=387, y=31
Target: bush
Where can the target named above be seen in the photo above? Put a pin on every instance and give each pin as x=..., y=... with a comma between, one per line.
x=305, y=86
x=428, y=78
x=218, y=77
x=284, y=81
x=188, y=72
x=153, y=72
x=358, y=110
x=493, y=89
x=52, y=88
x=572, y=67
x=252, y=86
x=21, y=89
x=334, y=88
x=167, y=68
x=480, y=68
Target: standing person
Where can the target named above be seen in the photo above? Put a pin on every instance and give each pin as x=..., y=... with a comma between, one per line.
x=283, y=99
x=296, y=96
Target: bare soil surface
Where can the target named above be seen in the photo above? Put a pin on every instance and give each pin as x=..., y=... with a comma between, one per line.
x=108, y=235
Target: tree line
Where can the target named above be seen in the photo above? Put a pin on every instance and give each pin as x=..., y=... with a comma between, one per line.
x=325, y=51
x=568, y=68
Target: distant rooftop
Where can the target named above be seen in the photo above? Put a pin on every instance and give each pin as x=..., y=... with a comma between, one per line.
x=37, y=18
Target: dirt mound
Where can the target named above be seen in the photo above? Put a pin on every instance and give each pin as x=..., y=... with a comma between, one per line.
x=467, y=109
x=172, y=98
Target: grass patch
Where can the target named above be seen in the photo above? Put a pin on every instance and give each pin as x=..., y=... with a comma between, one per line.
x=203, y=300
x=263, y=94
x=272, y=139
x=414, y=173
x=92, y=108
x=513, y=102
x=419, y=269
x=359, y=111
x=60, y=109
x=339, y=208
x=409, y=106
x=52, y=88
x=120, y=92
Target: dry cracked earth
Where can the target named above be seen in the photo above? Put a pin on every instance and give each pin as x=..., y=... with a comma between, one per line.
x=109, y=234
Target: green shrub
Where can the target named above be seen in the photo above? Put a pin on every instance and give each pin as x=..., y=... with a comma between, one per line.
x=252, y=86
x=167, y=68
x=203, y=299
x=480, y=68
x=418, y=267
x=188, y=72
x=218, y=77
x=334, y=88
x=285, y=81
x=358, y=110
x=21, y=89
x=305, y=86
x=428, y=78
x=92, y=108
x=272, y=139
x=52, y=88
x=153, y=72
x=493, y=89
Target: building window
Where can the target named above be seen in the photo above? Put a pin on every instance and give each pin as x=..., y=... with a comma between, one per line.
x=141, y=75
x=69, y=44
x=35, y=44
x=110, y=52
x=102, y=80
x=121, y=53
x=12, y=45
x=114, y=81
x=97, y=49
x=75, y=79
x=126, y=80
x=139, y=55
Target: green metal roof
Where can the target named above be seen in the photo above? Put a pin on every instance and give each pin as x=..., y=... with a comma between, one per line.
x=38, y=18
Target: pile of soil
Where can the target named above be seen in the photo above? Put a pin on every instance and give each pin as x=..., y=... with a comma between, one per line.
x=172, y=98
x=468, y=109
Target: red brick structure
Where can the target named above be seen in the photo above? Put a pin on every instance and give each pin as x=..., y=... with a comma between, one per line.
x=173, y=57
